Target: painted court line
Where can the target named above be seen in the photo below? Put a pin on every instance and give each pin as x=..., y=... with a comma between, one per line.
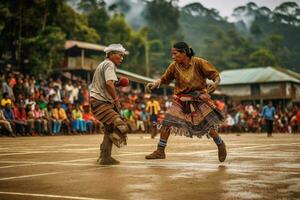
x=27, y=176
x=61, y=172
x=50, y=196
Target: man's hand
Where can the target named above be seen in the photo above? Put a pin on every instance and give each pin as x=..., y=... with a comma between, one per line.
x=153, y=85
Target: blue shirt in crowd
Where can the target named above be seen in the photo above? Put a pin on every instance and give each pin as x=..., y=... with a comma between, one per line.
x=268, y=113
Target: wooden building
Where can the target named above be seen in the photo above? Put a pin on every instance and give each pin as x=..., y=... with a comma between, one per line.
x=82, y=58
x=261, y=84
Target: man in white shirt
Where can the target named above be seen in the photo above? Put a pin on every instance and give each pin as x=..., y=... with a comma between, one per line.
x=105, y=103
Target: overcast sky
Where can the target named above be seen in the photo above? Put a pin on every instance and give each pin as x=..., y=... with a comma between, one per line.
x=225, y=7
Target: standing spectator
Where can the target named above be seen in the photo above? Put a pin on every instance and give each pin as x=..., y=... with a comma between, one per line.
x=57, y=94
x=268, y=114
x=19, y=88
x=6, y=88
x=85, y=94
x=74, y=93
x=153, y=108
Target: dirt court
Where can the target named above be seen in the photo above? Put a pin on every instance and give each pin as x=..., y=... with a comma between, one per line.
x=64, y=167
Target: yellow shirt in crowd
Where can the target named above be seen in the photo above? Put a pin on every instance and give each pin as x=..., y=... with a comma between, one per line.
x=5, y=101
x=153, y=107
x=59, y=114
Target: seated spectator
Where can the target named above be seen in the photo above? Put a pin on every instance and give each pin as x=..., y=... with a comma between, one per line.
x=5, y=100
x=21, y=119
x=128, y=115
x=47, y=115
x=39, y=121
x=30, y=103
x=78, y=124
x=59, y=114
x=93, y=125
x=6, y=124
x=9, y=114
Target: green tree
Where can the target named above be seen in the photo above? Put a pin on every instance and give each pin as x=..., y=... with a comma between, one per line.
x=262, y=57
x=27, y=26
x=119, y=30
x=161, y=18
x=287, y=12
x=46, y=50
x=97, y=16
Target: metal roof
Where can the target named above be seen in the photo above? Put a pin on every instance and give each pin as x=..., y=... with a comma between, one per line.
x=258, y=75
x=83, y=45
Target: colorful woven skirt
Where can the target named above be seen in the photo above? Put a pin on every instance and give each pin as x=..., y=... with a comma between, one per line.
x=192, y=118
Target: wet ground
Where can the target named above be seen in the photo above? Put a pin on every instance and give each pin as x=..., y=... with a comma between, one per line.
x=64, y=167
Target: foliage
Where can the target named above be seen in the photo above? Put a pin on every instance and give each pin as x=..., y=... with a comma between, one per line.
x=33, y=32
x=162, y=20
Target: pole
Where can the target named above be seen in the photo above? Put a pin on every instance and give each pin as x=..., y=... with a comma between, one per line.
x=147, y=67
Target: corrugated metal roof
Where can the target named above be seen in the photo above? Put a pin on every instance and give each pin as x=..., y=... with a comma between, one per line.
x=83, y=45
x=258, y=75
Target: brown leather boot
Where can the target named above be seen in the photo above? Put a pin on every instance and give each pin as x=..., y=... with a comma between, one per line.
x=105, y=152
x=222, y=153
x=159, y=153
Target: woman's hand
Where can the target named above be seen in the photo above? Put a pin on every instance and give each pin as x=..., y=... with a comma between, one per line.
x=153, y=85
x=212, y=87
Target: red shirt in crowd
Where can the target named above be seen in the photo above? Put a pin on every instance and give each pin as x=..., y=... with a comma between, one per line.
x=298, y=116
x=20, y=115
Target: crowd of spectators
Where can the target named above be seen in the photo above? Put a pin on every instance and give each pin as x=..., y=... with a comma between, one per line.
x=32, y=106
x=241, y=118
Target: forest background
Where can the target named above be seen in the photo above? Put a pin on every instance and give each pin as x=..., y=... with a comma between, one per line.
x=33, y=33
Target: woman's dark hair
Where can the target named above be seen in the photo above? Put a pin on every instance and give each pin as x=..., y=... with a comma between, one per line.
x=183, y=47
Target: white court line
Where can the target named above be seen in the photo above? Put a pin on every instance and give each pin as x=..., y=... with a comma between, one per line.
x=50, y=196
x=11, y=166
x=26, y=176
x=61, y=172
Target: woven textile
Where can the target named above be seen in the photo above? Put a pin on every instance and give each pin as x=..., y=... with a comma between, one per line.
x=104, y=111
x=192, y=118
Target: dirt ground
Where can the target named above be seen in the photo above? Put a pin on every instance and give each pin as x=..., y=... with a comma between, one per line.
x=64, y=167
